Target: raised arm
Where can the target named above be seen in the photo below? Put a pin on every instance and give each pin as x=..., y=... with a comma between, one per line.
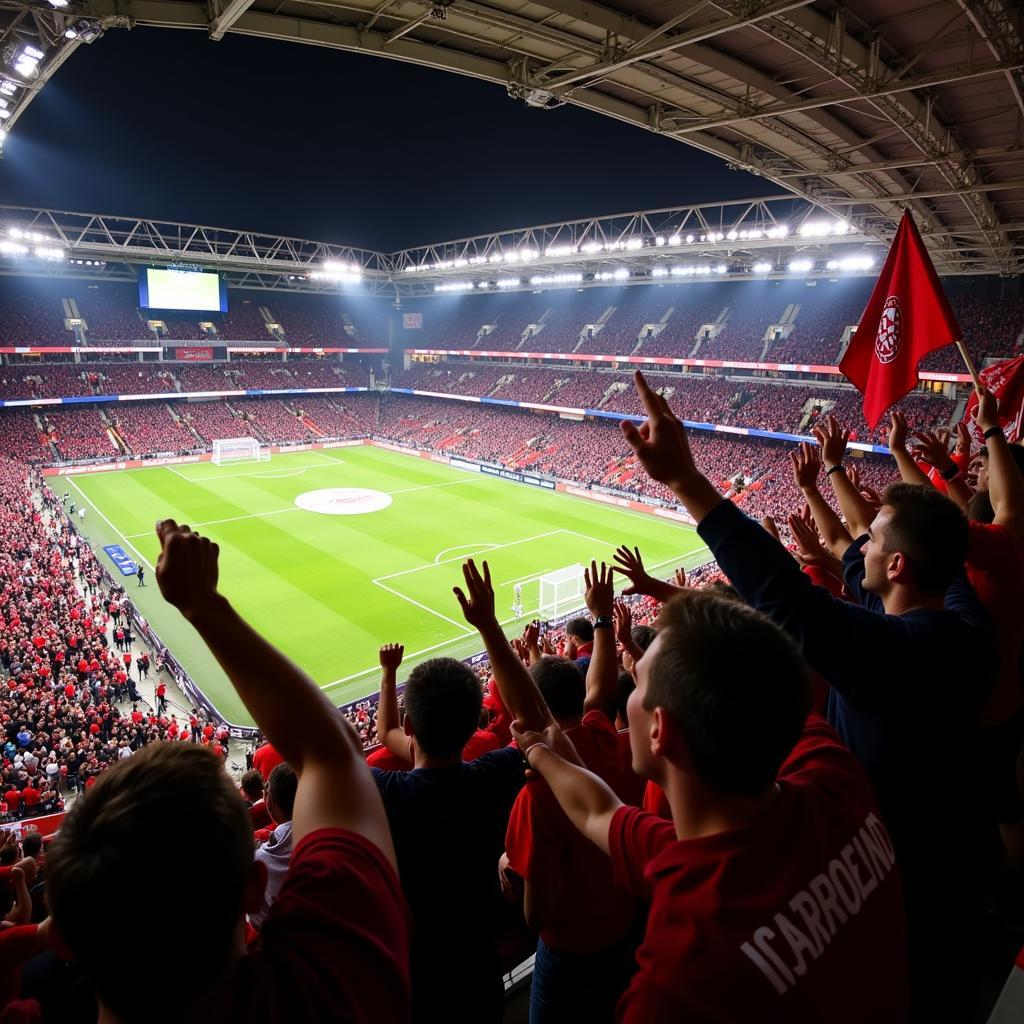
x=335, y=787
x=603, y=670
x=857, y=510
x=588, y=802
x=910, y=471
x=1005, y=482
x=933, y=448
x=624, y=631
x=806, y=460
x=515, y=684
x=389, y=726
x=631, y=565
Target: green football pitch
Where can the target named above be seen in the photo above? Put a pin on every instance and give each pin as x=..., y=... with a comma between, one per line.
x=329, y=589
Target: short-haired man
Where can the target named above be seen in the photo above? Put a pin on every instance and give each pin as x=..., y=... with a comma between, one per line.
x=253, y=788
x=276, y=852
x=448, y=820
x=909, y=664
x=579, y=642
x=335, y=943
x=773, y=890
x=586, y=940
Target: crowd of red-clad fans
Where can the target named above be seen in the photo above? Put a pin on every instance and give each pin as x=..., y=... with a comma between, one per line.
x=783, y=786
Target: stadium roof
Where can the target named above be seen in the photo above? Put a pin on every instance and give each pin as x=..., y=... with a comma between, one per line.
x=862, y=108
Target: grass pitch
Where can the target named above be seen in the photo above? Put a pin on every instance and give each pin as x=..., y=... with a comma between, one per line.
x=330, y=589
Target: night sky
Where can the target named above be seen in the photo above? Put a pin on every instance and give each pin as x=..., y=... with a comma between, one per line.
x=321, y=144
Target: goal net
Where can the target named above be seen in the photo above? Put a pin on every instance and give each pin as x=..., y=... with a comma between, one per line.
x=238, y=449
x=561, y=591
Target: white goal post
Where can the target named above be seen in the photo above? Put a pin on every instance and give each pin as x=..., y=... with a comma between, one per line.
x=561, y=591
x=239, y=449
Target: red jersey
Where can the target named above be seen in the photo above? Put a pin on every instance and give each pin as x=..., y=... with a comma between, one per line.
x=995, y=568
x=265, y=759
x=341, y=903
x=780, y=919
x=589, y=911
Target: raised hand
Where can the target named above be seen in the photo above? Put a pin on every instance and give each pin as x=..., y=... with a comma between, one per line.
x=963, y=438
x=600, y=595
x=810, y=550
x=988, y=410
x=933, y=448
x=623, y=623
x=806, y=460
x=631, y=565
x=519, y=646
x=552, y=737
x=531, y=635
x=186, y=570
x=478, y=607
x=833, y=439
x=391, y=656
x=898, y=431
x=679, y=578
x=768, y=522
x=660, y=442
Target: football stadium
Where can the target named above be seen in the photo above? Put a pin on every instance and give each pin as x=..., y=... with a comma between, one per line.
x=429, y=593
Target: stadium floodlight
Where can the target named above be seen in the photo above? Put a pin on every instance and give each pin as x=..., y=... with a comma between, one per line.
x=528, y=254
x=778, y=231
x=677, y=240
x=341, y=273
x=13, y=248
x=801, y=266
x=620, y=274
x=58, y=3
x=7, y=87
x=721, y=269
x=555, y=251
x=689, y=239
x=591, y=247
x=508, y=282
x=569, y=278
x=660, y=240
x=632, y=244
x=49, y=252
x=454, y=286
x=26, y=61
x=860, y=262
x=659, y=272
x=762, y=267
x=3, y=136
x=483, y=284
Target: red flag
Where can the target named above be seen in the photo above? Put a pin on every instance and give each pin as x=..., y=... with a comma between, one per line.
x=1006, y=381
x=906, y=317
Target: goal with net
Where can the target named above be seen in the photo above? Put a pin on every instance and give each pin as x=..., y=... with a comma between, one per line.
x=561, y=591
x=239, y=449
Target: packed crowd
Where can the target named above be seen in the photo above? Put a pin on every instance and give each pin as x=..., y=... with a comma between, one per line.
x=783, y=782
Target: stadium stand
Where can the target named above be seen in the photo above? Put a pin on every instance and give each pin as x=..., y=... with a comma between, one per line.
x=79, y=722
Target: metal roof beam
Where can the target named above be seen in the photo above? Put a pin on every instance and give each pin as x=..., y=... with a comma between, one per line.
x=227, y=16
x=766, y=9
x=957, y=73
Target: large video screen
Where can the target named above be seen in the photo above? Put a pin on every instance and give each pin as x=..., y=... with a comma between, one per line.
x=201, y=291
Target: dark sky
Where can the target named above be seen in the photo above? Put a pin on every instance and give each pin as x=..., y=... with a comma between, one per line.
x=249, y=133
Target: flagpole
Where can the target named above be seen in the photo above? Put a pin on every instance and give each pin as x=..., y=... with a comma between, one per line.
x=969, y=363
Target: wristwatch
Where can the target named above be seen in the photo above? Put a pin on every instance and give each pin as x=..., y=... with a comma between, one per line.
x=604, y=622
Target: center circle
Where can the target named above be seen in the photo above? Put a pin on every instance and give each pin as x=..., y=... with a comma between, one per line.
x=343, y=501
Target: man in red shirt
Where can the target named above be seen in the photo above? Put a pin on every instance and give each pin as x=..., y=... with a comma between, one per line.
x=265, y=760
x=746, y=921
x=586, y=944
x=335, y=944
x=161, y=697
